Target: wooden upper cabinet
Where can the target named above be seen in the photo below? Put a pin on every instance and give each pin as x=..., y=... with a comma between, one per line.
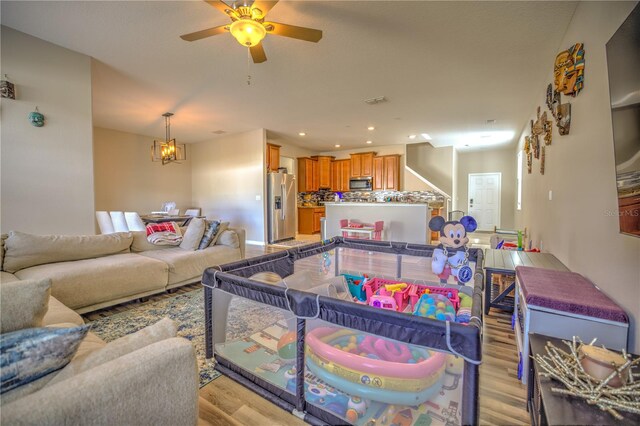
x=324, y=171
x=392, y=172
x=378, y=175
x=307, y=174
x=367, y=164
x=345, y=175
x=362, y=164
x=273, y=157
x=335, y=176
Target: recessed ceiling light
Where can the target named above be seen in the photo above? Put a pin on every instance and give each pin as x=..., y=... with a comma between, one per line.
x=412, y=136
x=302, y=134
x=371, y=128
x=337, y=146
x=426, y=136
x=369, y=141
x=492, y=121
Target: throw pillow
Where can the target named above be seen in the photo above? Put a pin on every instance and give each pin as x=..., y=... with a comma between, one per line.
x=229, y=238
x=210, y=231
x=163, y=329
x=194, y=233
x=2, y=238
x=164, y=234
x=23, y=304
x=223, y=227
x=26, y=355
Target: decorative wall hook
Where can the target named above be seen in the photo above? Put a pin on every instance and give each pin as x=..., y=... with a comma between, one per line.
x=7, y=89
x=36, y=119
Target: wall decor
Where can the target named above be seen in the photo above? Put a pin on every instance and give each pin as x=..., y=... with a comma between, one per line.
x=542, y=155
x=36, y=118
x=527, y=144
x=536, y=146
x=563, y=116
x=617, y=391
x=7, y=89
x=548, y=127
x=529, y=161
x=538, y=126
x=569, y=70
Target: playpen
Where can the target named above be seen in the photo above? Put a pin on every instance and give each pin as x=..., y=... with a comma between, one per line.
x=327, y=359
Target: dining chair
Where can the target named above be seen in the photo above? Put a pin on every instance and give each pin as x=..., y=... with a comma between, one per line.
x=192, y=212
x=134, y=223
x=104, y=222
x=173, y=212
x=119, y=222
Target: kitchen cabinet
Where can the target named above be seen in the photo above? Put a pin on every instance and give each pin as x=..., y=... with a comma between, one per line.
x=378, y=173
x=362, y=164
x=391, y=172
x=386, y=173
x=273, y=157
x=340, y=175
x=324, y=171
x=308, y=179
x=309, y=219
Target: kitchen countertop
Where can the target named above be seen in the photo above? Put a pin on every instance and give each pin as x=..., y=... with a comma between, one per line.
x=351, y=204
x=311, y=207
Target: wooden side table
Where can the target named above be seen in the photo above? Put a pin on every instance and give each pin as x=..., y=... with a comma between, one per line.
x=548, y=408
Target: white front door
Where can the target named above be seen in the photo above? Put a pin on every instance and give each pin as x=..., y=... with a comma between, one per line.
x=484, y=199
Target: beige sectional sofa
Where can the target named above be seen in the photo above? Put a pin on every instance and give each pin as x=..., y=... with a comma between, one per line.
x=97, y=271
x=146, y=378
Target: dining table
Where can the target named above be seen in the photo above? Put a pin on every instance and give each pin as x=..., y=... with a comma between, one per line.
x=181, y=220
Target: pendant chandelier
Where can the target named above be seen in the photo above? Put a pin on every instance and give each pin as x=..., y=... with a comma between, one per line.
x=167, y=151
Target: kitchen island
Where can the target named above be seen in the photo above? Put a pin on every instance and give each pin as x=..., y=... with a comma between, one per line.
x=402, y=221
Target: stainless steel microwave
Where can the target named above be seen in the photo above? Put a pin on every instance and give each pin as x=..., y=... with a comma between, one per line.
x=361, y=184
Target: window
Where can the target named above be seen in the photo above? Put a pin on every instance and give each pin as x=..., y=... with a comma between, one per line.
x=519, y=181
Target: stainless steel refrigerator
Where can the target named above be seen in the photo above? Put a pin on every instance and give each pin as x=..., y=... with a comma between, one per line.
x=281, y=206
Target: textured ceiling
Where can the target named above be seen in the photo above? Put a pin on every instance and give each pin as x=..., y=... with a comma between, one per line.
x=445, y=68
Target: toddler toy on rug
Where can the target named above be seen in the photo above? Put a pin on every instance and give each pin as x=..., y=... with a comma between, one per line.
x=452, y=256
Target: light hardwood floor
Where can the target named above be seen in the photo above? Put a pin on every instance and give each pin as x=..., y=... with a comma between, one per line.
x=502, y=397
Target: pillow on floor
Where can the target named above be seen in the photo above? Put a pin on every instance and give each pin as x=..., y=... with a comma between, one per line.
x=23, y=304
x=163, y=329
x=210, y=231
x=26, y=355
x=192, y=237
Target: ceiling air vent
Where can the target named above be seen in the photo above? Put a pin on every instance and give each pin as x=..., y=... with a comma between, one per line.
x=218, y=132
x=374, y=101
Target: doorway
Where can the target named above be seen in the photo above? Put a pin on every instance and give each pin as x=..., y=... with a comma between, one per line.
x=484, y=199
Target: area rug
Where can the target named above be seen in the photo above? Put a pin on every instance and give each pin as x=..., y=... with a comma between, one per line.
x=187, y=310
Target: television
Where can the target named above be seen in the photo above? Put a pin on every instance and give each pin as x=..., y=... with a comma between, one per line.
x=623, y=62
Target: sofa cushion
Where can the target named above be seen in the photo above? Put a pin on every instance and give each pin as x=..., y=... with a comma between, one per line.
x=140, y=243
x=210, y=231
x=27, y=355
x=26, y=250
x=192, y=237
x=91, y=281
x=189, y=265
x=6, y=277
x=163, y=329
x=223, y=227
x=23, y=304
x=58, y=313
x=228, y=238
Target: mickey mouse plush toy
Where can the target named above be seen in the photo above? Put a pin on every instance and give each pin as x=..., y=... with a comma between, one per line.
x=452, y=257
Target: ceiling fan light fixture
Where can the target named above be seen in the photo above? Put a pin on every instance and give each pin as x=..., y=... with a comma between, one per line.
x=248, y=32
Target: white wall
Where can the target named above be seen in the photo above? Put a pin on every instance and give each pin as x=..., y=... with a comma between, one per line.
x=489, y=161
x=579, y=226
x=126, y=179
x=227, y=175
x=47, y=172
x=434, y=164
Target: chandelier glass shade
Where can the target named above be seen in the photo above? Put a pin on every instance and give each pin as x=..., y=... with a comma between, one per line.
x=248, y=32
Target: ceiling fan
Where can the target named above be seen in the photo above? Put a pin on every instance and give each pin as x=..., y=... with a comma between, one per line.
x=249, y=27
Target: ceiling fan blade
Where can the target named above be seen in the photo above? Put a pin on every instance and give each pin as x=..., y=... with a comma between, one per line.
x=204, y=33
x=221, y=6
x=257, y=53
x=301, y=33
x=264, y=6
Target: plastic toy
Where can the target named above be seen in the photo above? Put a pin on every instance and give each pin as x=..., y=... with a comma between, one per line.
x=435, y=306
x=398, y=291
x=452, y=256
x=337, y=356
x=287, y=345
x=383, y=302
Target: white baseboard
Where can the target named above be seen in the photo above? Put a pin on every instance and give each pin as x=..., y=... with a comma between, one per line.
x=255, y=243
